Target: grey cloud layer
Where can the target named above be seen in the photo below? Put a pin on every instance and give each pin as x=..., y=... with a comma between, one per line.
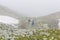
x=32, y=8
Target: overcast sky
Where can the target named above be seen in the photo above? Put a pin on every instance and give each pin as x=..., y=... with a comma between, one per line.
x=32, y=8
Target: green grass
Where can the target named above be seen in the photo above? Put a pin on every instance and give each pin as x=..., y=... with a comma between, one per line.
x=0, y=37
x=53, y=35
x=40, y=35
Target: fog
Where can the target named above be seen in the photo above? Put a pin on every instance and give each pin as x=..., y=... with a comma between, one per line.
x=32, y=8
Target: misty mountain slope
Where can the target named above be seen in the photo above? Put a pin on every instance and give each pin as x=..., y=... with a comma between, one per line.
x=55, y=15
x=6, y=11
x=6, y=14
x=50, y=18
